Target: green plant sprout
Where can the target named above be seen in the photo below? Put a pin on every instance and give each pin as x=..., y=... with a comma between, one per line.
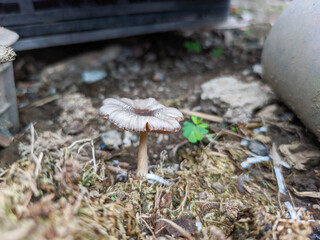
x=193, y=46
x=217, y=52
x=195, y=131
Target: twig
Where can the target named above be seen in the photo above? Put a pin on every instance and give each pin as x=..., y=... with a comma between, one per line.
x=181, y=206
x=152, y=232
x=153, y=177
x=95, y=167
x=37, y=160
x=210, y=117
x=309, y=194
x=4, y=172
x=41, y=102
x=117, y=170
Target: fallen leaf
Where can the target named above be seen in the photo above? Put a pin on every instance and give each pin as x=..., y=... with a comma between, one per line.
x=299, y=155
x=166, y=200
x=182, y=227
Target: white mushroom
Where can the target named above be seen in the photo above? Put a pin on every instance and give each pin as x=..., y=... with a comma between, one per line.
x=7, y=38
x=143, y=116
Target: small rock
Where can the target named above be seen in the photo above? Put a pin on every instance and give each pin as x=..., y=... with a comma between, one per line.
x=258, y=148
x=257, y=68
x=112, y=139
x=244, y=142
x=161, y=138
x=92, y=76
x=199, y=226
x=126, y=142
x=52, y=90
x=260, y=130
x=246, y=72
x=158, y=77
x=115, y=163
x=127, y=139
x=134, y=138
x=101, y=96
x=233, y=99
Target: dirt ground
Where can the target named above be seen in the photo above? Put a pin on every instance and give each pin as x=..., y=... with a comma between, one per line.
x=212, y=195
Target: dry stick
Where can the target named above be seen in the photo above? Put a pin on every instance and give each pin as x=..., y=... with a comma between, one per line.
x=152, y=232
x=37, y=160
x=4, y=172
x=179, y=228
x=92, y=150
x=305, y=194
x=205, y=116
x=183, y=203
x=41, y=102
x=117, y=170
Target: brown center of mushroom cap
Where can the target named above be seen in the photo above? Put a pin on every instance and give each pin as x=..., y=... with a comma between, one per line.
x=143, y=112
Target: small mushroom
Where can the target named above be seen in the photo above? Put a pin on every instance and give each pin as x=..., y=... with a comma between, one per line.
x=143, y=116
x=7, y=37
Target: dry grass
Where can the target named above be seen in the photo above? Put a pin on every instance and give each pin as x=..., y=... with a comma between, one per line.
x=209, y=197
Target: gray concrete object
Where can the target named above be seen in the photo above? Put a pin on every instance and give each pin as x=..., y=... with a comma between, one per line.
x=291, y=62
x=8, y=107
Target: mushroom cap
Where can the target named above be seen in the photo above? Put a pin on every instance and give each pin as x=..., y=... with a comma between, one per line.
x=141, y=115
x=7, y=37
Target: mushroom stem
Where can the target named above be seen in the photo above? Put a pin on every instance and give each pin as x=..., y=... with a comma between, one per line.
x=142, y=169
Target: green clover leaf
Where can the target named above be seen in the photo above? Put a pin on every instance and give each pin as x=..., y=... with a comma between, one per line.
x=195, y=131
